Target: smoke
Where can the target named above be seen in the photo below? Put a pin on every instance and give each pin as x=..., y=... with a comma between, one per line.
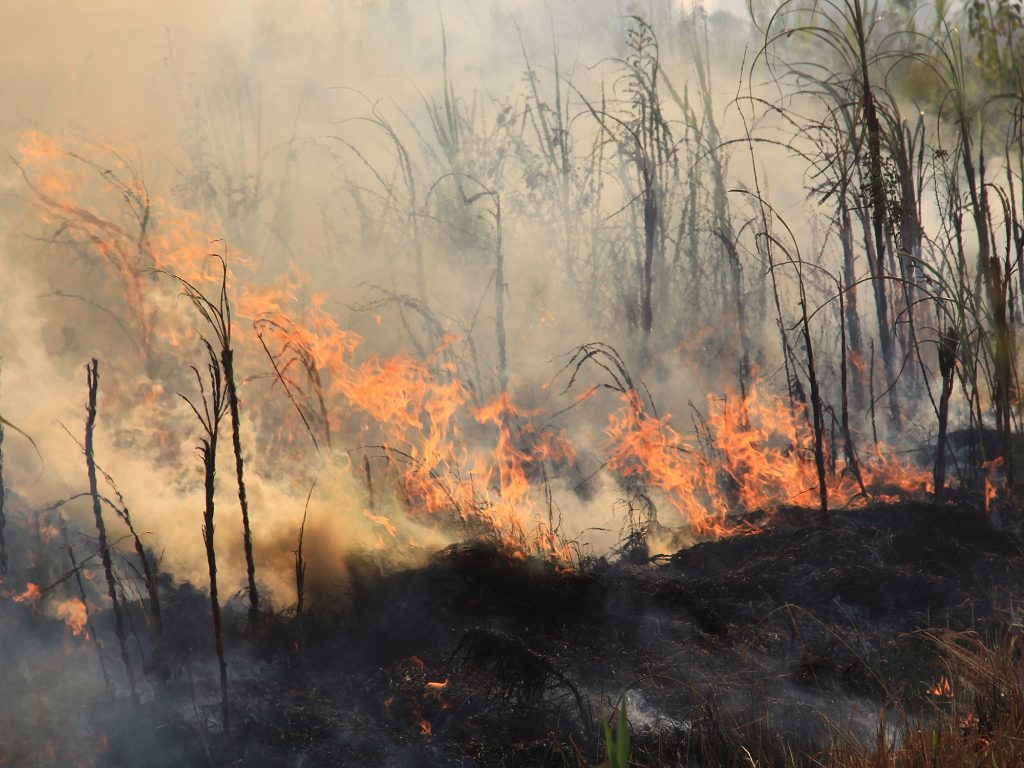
x=277, y=137
x=419, y=208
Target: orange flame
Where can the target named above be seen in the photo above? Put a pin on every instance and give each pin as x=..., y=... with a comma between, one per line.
x=434, y=691
x=74, y=614
x=992, y=486
x=761, y=455
x=31, y=594
x=382, y=521
x=942, y=688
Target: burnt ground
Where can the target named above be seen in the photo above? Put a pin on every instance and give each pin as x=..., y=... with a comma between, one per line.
x=781, y=641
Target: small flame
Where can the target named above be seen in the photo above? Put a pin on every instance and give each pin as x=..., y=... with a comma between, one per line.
x=992, y=486
x=434, y=691
x=382, y=521
x=31, y=594
x=942, y=688
x=74, y=613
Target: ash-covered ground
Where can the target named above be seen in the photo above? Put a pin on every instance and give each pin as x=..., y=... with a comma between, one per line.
x=774, y=644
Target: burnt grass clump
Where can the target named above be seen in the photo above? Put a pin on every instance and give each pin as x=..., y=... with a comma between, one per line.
x=776, y=645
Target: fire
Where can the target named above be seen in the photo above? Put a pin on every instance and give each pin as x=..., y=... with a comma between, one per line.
x=419, y=410
x=942, y=688
x=992, y=485
x=31, y=594
x=382, y=521
x=760, y=455
x=970, y=722
x=433, y=691
x=453, y=460
x=426, y=729
x=74, y=613
x=436, y=688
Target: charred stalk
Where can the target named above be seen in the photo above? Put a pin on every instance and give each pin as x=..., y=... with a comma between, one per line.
x=92, y=371
x=499, y=282
x=368, y=476
x=816, y=409
x=152, y=590
x=209, y=411
x=948, y=344
x=300, y=575
x=851, y=319
x=227, y=361
x=849, y=448
x=218, y=316
x=990, y=272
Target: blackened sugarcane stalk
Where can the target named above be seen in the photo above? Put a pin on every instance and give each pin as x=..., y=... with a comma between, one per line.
x=227, y=361
x=92, y=371
x=300, y=575
x=849, y=448
x=218, y=315
x=209, y=411
x=208, y=451
x=819, y=437
x=152, y=590
x=948, y=344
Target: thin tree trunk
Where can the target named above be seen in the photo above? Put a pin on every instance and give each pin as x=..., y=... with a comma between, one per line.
x=879, y=211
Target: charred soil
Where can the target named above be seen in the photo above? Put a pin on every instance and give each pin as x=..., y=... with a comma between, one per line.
x=774, y=645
